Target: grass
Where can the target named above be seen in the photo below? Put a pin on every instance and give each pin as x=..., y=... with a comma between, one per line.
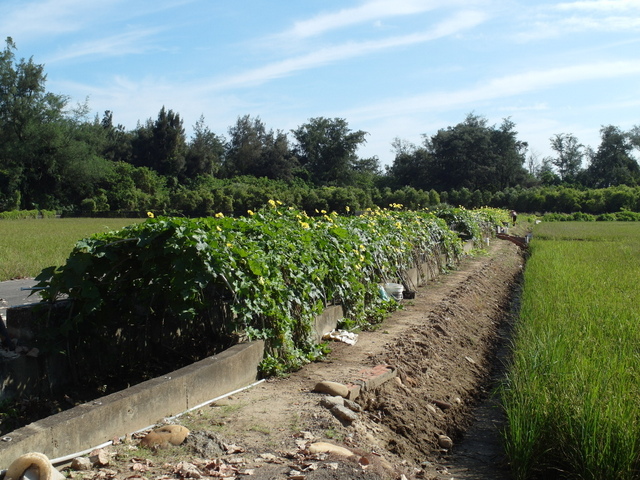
x=571, y=395
x=28, y=246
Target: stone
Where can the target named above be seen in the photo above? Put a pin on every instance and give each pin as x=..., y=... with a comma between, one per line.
x=343, y=413
x=166, y=435
x=33, y=353
x=331, y=388
x=80, y=464
x=325, y=447
x=206, y=444
x=351, y=405
x=445, y=442
x=330, y=402
x=187, y=470
x=99, y=458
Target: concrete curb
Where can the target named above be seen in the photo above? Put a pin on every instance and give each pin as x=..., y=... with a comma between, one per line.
x=135, y=408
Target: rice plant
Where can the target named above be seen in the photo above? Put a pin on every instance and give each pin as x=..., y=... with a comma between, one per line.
x=572, y=391
x=28, y=246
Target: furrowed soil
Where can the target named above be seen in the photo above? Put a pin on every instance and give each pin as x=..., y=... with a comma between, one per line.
x=444, y=347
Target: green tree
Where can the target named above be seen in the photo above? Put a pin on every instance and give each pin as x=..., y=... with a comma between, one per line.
x=569, y=159
x=254, y=150
x=49, y=154
x=244, y=148
x=117, y=141
x=411, y=166
x=612, y=164
x=474, y=155
x=205, y=152
x=327, y=148
x=161, y=144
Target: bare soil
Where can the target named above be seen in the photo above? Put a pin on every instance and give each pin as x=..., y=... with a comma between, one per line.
x=444, y=346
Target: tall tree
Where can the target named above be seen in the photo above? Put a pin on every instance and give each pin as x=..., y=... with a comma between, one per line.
x=327, y=148
x=245, y=145
x=161, y=144
x=612, y=164
x=509, y=155
x=277, y=160
x=117, y=142
x=205, y=152
x=476, y=156
x=570, y=155
x=254, y=150
x=411, y=166
x=40, y=144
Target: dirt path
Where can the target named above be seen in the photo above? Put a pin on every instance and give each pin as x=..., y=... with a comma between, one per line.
x=442, y=346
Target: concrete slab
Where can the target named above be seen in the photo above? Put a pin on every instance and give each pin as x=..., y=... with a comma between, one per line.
x=88, y=425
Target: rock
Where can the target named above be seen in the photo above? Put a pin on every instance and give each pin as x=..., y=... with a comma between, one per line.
x=351, y=405
x=33, y=353
x=81, y=463
x=330, y=402
x=325, y=447
x=441, y=405
x=99, y=458
x=206, y=444
x=445, y=442
x=332, y=388
x=344, y=413
x=269, y=457
x=187, y=470
x=163, y=436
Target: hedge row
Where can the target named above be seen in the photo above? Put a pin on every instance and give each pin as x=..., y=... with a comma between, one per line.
x=27, y=214
x=621, y=216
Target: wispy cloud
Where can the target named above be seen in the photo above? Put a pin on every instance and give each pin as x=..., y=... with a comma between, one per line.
x=323, y=56
x=552, y=21
x=31, y=21
x=132, y=42
x=367, y=12
x=599, y=6
x=502, y=87
x=48, y=17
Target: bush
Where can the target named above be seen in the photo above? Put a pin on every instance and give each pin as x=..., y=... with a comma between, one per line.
x=193, y=285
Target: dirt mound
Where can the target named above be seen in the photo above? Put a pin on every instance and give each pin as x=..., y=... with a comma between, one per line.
x=442, y=347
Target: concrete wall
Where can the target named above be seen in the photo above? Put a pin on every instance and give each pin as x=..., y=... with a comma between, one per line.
x=115, y=415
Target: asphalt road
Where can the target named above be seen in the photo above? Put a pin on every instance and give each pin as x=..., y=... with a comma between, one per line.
x=13, y=294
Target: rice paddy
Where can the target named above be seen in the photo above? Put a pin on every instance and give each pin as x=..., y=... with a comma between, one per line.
x=28, y=246
x=572, y=396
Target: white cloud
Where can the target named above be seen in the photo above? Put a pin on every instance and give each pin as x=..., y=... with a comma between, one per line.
x=132, y=42
x=367, y=12
x=544, y=22
x=600, y=5
x=501, y=87
x=323, y=56
x=48, y=17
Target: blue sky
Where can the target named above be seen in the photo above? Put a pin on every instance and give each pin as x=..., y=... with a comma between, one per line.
x=393, y=68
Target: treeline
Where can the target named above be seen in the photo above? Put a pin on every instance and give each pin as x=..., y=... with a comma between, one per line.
x=55, y=157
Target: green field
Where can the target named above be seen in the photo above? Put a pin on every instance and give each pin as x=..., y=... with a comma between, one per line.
x=572, y=395
x=28, y=246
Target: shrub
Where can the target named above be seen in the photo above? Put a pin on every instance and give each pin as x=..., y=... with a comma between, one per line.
x=194, y=285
